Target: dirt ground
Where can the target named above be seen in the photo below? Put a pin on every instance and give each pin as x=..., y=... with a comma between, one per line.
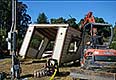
x=30, y=65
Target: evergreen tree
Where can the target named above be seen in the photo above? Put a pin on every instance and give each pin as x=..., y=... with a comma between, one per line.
x=42, y=19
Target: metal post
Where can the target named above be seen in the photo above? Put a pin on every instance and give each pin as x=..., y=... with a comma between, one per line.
x=11, y=50
x=15, y=69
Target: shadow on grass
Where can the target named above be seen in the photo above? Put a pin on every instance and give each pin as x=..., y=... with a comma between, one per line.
x=27, y=76
x=63, y=74
x=32, y=61
x=73, y=64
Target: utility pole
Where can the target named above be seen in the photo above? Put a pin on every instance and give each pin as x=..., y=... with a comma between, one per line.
x=15, y=68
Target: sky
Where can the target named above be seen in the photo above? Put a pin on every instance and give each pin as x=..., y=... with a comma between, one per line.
x=77, y=9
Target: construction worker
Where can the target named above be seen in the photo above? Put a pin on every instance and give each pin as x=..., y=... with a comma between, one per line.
x=94, y=39
x=89, y=18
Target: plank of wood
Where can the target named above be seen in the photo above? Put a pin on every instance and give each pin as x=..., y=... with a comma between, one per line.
x=26, y=42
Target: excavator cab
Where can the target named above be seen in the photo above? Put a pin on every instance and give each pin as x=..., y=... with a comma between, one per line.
x=97, y=35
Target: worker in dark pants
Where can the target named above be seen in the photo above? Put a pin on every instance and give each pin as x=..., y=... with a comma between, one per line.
x=95, y=40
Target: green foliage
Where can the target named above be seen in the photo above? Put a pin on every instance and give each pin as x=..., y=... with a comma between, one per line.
x=5, y=21
x=5, y=15
x=114, y=38
x=99, y=20
x=72, y=22
x=42, y=19
x=113, y=45
x=23, y=19
x=61, y=20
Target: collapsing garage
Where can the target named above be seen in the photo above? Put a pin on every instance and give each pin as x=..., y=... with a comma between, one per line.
x=65, y=42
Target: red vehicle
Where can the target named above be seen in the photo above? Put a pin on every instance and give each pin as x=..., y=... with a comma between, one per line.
x=97, y=54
